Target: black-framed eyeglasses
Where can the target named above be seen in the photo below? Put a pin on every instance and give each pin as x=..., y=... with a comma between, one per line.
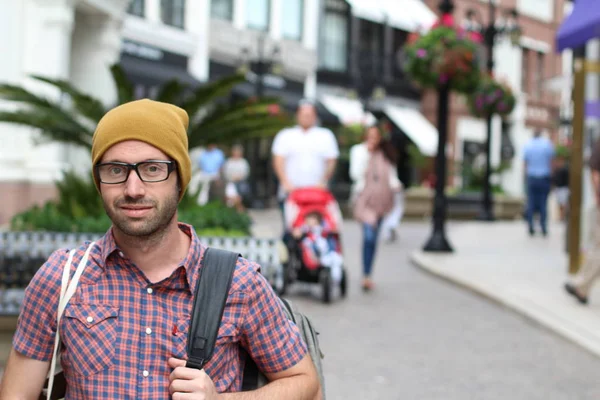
x=148, y=171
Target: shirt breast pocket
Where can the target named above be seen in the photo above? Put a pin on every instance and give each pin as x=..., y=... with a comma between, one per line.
x=89, y=334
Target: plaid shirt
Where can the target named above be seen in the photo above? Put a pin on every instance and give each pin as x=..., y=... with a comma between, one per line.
x=119, y=329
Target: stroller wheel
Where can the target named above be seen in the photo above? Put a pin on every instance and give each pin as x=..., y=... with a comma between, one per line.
x=325, y=281
x=344, y=283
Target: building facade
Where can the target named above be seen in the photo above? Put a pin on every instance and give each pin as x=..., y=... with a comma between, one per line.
x=77, y=40
x=274, y=42
x=360, y=66
x=526, y=67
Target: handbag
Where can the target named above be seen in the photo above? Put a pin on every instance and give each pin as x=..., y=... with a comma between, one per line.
x=55, y=387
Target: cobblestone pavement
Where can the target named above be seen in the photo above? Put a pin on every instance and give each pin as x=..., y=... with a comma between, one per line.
x=417, y=337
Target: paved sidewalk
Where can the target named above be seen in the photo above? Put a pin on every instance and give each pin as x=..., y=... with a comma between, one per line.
x=499, y=260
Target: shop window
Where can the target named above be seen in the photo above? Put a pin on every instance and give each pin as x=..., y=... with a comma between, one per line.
x=173, y=12
x=333, y=47
x=258, y=13
x=222, y=9
x=292, y=19
x=540, y=73
x=136, y=7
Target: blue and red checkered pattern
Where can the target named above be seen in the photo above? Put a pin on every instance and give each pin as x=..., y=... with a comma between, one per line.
x=119, y=329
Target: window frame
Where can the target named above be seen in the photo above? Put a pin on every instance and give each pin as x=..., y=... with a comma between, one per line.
x=267, y=27
x=141, y=4
x=341, y=9
x=231, y=10
x=171, y=23
x=300, y=36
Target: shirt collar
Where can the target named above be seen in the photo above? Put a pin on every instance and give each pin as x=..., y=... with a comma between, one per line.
x=190, y=263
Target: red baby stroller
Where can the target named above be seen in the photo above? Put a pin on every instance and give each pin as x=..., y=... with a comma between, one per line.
x=301, y=206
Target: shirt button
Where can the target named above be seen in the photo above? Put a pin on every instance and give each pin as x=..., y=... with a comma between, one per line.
x=90, y=319
x=121, y=254
x=148, y=331
x=145, y=373
x=149, y=290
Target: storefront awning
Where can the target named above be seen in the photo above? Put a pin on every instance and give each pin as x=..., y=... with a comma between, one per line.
x=153, y=73
x=406, y=15
x=349, y=111
x=414, y=125
x=580, y=26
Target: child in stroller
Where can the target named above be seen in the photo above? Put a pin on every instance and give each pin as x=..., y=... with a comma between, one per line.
x=312, y=220
x=318, y=247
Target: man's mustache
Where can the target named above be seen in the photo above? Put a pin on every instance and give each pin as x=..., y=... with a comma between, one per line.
x=125, y=202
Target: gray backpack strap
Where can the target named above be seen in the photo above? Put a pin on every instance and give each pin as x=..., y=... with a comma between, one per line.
x=212, y=289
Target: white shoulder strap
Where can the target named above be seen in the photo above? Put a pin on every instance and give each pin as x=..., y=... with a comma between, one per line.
x=67, y=290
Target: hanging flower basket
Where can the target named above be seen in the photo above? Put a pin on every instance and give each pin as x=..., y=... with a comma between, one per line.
x=491, y=97
x=446, y=54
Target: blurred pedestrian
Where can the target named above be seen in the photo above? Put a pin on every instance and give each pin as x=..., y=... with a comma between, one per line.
x=538, y=156
x=236, y=171
x=304, y=155
x=210, y=162
x=582, y=284
x=560, y=179
x=375, y=184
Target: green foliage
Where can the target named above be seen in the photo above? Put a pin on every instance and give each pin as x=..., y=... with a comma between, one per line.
x=491, y=97
x=563, y=151
x=473, y=177
x=444, y=55
x=213, y=119
x=417, y=159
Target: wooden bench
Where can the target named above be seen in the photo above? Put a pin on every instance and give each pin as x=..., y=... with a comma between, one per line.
x=23, y=253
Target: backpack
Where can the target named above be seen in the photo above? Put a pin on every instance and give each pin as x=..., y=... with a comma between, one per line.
x=211, y=293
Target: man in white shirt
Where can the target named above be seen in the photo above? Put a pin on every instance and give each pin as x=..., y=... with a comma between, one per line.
x=304, y=155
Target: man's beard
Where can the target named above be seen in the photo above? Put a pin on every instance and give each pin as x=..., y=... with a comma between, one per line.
x=147, y=226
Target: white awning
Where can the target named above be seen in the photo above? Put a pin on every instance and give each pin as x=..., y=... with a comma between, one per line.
x=406, y=15
x=418, y=129
x=349, y=111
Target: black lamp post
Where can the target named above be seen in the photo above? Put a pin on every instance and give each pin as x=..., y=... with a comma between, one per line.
x=508, y=26
x=264, y=65
x=438, y=242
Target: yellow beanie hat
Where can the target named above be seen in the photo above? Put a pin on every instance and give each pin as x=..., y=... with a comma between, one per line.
x=161, y=125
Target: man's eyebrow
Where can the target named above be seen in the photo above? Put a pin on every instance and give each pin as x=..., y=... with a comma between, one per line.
x=112, y=160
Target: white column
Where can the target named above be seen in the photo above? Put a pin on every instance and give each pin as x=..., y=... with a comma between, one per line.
x=310, y=37
x=96, y=46
x=310, y=86
x=153, y=11
x=48, y=27
x=198, y=23
x=239, y=14
x=275, y=19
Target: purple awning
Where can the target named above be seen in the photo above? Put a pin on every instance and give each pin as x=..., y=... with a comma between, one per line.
x=582, y=25
x=592, y=109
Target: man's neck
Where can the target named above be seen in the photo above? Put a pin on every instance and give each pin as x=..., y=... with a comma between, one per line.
x=157, y=256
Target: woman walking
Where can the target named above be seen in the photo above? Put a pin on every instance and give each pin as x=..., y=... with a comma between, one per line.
x=372, y=168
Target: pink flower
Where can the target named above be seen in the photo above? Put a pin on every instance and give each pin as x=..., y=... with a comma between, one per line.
x=421, y=53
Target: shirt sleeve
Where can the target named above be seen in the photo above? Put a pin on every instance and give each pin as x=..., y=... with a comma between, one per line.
x=271, y=339
x=280, y=147
x=331, y=148
x=36, y=326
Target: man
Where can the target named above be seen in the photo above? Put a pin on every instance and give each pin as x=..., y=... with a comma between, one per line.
x=583, y=282
x=210, y=162
x=124, y=332
x=538, y=154
x=304, y=155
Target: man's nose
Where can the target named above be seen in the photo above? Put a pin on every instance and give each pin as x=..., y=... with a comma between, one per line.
x=134, y=186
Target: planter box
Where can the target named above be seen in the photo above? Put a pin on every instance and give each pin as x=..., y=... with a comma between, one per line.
x=419, y=204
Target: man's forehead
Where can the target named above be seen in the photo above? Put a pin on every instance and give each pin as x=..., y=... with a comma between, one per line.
x=133, y=150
